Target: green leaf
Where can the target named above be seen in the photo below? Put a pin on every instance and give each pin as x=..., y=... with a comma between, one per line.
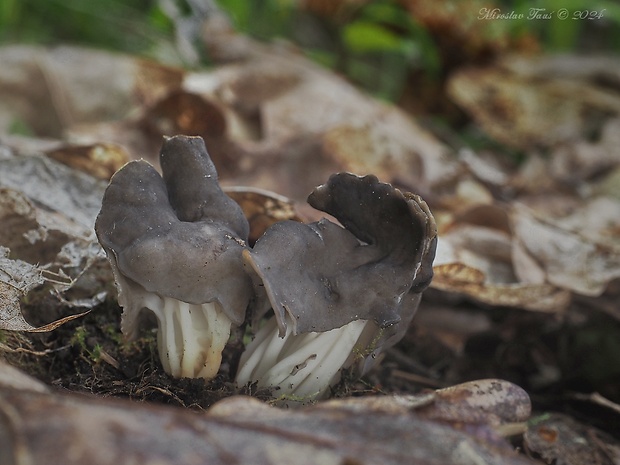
x=364, y=36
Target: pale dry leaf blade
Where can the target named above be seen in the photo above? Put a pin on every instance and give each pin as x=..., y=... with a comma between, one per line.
x=572, y=260
x=17, y=278
x=453, y=275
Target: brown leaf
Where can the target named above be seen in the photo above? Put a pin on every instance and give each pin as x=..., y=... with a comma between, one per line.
x=477, y=261
x=262, y=208
x=78, y=429
x=489, y=401
x=99, y=160
x=538, y=297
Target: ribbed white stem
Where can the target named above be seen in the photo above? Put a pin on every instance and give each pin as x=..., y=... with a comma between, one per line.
x=191, y=338
x=303, y=365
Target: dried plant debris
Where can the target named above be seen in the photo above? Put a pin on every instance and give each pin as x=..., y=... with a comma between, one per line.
x=477, y=261
x=55, y=187
x=47, y=238
x=562, y=440
x=529, y=103
x=262, y=208
x=236, y=430
x=491, y=402
x=17, y=279
x=579, y=252
x=99, y=160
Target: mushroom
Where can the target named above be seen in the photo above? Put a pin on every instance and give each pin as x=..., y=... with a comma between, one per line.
x=175, y=248
x=339, y=295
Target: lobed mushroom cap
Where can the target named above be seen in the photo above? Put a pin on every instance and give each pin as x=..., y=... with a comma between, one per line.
x=179, y=236
x=323, y=276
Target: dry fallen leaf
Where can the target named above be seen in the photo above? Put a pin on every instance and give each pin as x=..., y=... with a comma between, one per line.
x=55, y=186
x=99, y=160
x=12, y=378
x=488, y=401
x=262, y=208
x=48, y=210
x=17, y=278
x=477, y=261
x=576, y=252
x=236, y=430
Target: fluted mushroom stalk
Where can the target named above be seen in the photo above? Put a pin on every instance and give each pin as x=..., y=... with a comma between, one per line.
x=175, y=246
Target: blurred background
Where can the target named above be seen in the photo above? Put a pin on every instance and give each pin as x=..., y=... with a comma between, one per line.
x=398, y=50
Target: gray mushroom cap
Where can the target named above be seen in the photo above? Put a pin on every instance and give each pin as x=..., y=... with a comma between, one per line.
x=179, y=236
x=324, y=276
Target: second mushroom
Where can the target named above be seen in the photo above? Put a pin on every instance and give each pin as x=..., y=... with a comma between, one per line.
x=340, y=295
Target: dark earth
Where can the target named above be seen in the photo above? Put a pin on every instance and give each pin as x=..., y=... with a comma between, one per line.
x=89, y=355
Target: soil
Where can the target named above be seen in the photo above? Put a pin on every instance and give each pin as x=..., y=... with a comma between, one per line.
x=544, y=354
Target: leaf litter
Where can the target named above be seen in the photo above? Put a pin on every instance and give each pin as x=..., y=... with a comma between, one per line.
x=540, y=236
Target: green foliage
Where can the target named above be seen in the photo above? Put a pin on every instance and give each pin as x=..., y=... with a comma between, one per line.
x=382, y=44
x=80, y=340
x=130, y=25
x=364, y=36
x=21, y=127
x=263, y=19
x=377, y=45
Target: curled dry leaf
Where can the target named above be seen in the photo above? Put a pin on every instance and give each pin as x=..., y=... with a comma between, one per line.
x=489, y=401
x=579, y=252
x=476, y=261
x=262, y=208
x=17, y=278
